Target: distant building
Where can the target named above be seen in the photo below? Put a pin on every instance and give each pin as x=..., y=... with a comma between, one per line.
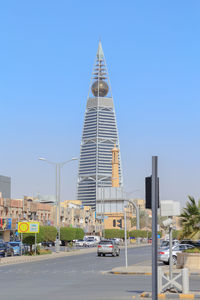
x=5, y=186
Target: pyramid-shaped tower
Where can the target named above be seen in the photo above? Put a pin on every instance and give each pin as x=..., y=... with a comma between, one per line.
x=99, y=136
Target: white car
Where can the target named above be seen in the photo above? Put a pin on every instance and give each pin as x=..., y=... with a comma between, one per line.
x=163, y=253
x=165, y=244
x=90, y=242
x=80, y=243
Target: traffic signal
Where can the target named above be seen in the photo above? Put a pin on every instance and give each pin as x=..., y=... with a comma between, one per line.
x=148, y=182
x=119, y=223
x=148, y=192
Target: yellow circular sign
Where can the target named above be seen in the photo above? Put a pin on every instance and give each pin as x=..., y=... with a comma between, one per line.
x=24, y=227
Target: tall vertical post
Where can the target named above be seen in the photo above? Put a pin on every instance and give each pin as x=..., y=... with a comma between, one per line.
x=170, y=252
x=154, y=197
x=35, y=243
x=21, y=244
x=59, y=207
x=125, y=237
x=56, y=219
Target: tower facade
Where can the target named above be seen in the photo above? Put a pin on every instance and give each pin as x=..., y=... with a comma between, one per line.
x=99, y=136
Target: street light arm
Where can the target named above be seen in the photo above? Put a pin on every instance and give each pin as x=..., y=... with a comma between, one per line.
x=67, y=161
x=48, y=161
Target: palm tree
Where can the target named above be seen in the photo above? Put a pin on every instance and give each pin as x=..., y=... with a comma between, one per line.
x=190, y=218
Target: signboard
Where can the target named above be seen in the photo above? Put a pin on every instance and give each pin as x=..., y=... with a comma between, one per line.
x=28, y=227
x=5, y=224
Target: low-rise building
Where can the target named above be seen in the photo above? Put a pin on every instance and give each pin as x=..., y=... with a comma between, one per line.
x=74, y=214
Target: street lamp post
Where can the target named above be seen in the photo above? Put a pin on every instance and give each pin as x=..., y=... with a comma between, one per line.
x=58, y=167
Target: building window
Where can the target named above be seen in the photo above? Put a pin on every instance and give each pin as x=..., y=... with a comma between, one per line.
x=114, y=223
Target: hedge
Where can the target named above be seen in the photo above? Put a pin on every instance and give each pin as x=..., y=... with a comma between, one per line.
x=142, y=233
x=115, y=233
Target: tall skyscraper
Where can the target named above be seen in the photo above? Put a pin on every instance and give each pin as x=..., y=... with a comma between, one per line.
x=99, y=136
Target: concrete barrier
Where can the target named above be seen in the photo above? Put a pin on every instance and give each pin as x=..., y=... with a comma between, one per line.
x=188, y=260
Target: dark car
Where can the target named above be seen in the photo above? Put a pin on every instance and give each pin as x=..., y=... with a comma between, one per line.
x=6, y=250
x=190, y=242
x=47, y=244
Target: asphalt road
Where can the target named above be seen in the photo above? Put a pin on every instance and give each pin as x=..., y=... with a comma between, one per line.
x=75, y=277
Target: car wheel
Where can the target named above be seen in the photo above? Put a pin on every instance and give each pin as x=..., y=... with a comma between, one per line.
x=103, y=254
x=174, y=260
x=99, y=254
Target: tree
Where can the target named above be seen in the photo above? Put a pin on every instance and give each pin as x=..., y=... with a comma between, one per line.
x=50, y=233
x=190, y=219
x=67, y=234
x=79, y=234
x=29, y=238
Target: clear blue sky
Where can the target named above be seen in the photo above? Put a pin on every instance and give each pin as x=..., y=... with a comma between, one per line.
x=152, y=51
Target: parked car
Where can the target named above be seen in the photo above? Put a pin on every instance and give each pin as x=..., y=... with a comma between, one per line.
x=165, y=244
x=190, y=242
x=90, y=242
x=163, y=253
x=47, y=244
x=118, y=241
x=17, y=247
x=80, y=243
x=95, y=238
x=6, y=250
x=108, y=247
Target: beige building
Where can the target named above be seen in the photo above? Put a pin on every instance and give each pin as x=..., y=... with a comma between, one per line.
x=74, y=214
x=14, y=210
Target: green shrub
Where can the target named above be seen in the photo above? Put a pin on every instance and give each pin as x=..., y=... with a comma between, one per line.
x=67, y=234
x=79, y=235
x=50, y=233
x=138, y=233
x=192, y=250
x=115, y=233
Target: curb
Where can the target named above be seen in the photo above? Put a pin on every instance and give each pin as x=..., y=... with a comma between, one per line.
x=129, y=273
x=144, y=273
x=171, y=296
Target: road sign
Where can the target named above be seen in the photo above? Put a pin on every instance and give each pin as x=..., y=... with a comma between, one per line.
x=28, y=227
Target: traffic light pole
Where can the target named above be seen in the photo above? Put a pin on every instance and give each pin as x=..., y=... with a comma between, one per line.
x=154, y=197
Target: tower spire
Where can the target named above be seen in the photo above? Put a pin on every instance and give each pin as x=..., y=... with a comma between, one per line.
x=100, y=54
x=100, y=86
